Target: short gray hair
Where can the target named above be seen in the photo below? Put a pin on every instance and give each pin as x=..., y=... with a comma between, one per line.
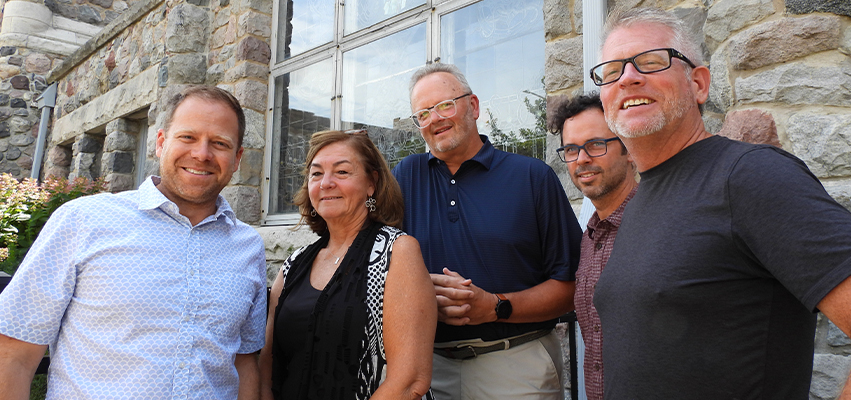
x=684, y=39
x=435, y=68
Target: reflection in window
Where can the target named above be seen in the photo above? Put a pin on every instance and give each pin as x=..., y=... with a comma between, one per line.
x=363, y=13
x=302, y=107
x=490, y=42
x=304, y=24
x=375, y=95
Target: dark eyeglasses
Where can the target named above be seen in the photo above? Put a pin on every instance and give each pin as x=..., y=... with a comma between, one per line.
x=647, y=62
x=444, y=109
x=594, y=148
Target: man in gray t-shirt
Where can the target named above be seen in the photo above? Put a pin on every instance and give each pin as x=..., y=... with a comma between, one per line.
x=726, y=250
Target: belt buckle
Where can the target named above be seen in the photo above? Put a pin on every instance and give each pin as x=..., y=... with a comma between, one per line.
x=472, y=350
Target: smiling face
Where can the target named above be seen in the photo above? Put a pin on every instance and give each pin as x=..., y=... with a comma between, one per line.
x=447, y=136
x=198, y=155
x=643, y=104
x=338, y=185
x=596, y=177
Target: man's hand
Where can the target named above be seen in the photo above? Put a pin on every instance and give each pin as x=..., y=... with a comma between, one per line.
x=460, y=302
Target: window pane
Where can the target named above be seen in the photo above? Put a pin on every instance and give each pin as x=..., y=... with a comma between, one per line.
x=375, y=91
x=499, y=45
x=302, y=107
x=303, y=25
x=363, y=13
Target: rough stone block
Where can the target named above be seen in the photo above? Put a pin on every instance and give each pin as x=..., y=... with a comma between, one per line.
x=7, y=71
x=752, y=126
x=215, y=74
x=556, y=19
x=7, y=50
x=120, y=141
x=117, y=162
x=253, y=49
x=56, y=171
x=12, y=153
x=725, y=17
x=59, y=156
x=784, y=40
x=187, y=29
x=122, y=125
x=563, y=64
x=798, y=83
x=247, y=69
x=25, y=162
x=250, y=168
x=18, y=103
x=20, y=82
x=187, y=68
x=829, y=374
x=255, y=130
x=822, y=141
x=838, y=7
x=840, y=190
x=21, y=140
x=10, y=168
x=245, y=201
x=89, y=15
x=577, y=17
x=251, y=94
x=37, y=63
x=5, y=113
x=119, y=182
x=20, y=125
x=835, y=337
x=87, y=144
x=16, y=61
x=720, y=88
x=254, y=23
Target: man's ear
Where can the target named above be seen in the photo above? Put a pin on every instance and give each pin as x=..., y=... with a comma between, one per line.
x=700, y=78
x=160, y=141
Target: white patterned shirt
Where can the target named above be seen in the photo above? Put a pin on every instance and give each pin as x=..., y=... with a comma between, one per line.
x=137, y=303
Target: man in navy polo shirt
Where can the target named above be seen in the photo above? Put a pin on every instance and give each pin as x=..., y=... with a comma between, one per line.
x=502, y=245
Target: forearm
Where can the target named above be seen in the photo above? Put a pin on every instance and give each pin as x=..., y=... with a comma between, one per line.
x=548, y=300
x=249, y=376
x=18, y=362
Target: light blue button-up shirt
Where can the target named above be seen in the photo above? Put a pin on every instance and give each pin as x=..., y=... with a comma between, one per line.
x=137, y=303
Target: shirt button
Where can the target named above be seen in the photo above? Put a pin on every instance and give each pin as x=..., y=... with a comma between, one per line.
x=598, y=246
x=182, y=365
x=596, y=366
x=596, y=328
x=452, y=203
x=452, y=181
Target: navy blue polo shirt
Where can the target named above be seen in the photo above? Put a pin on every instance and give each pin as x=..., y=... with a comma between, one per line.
x=502, y=220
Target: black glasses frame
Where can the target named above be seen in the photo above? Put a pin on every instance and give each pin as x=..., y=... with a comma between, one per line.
x=560, y=151
x=417, y=121
x=672, y=53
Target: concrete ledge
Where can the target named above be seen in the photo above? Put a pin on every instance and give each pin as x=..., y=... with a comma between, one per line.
x=127, y=18
x=124, y=99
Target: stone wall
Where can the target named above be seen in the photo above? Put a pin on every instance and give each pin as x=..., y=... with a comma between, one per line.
x=111, y=89
x=780, y=75
x=35, y=37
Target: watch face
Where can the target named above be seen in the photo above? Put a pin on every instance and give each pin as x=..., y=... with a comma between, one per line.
x=503, y=309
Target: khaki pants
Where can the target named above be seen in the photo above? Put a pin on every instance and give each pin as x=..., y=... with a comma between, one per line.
x=531, y=371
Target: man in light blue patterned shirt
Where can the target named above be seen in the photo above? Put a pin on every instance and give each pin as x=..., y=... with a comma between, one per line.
x=158, y=293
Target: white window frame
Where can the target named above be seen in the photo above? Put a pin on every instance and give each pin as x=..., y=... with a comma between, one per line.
x=428, y=13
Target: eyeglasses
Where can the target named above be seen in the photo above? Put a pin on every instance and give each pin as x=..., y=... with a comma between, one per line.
x=444, y=109
x=647, y=62
x=594, y=148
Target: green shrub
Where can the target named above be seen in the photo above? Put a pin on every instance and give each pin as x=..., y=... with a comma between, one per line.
x=25, y=207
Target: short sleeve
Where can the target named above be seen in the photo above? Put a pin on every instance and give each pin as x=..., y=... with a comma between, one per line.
x=784, y=217
x=253, y=332
x=34, y=303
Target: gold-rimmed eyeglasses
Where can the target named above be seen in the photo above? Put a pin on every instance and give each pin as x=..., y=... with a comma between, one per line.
x=444, y=109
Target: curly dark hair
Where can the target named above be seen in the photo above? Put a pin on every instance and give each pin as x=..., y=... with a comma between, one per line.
x=389, y=206
x=573, y=107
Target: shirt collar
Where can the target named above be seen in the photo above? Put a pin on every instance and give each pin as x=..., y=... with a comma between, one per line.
x=150, y=198
x=483, y=157
x=614, y=219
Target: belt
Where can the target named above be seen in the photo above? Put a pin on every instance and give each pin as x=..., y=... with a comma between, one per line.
x=466, y=352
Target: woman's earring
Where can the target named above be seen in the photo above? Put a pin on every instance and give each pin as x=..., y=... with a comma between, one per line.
x=370, y=203
x=313, y=212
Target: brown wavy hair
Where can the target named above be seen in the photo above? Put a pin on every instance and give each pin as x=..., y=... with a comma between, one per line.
x=389, y=207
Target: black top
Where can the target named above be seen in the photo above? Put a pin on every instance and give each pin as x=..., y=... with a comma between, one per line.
x=721, y=258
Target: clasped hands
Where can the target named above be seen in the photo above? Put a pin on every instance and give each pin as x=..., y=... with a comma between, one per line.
x=460, y=302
